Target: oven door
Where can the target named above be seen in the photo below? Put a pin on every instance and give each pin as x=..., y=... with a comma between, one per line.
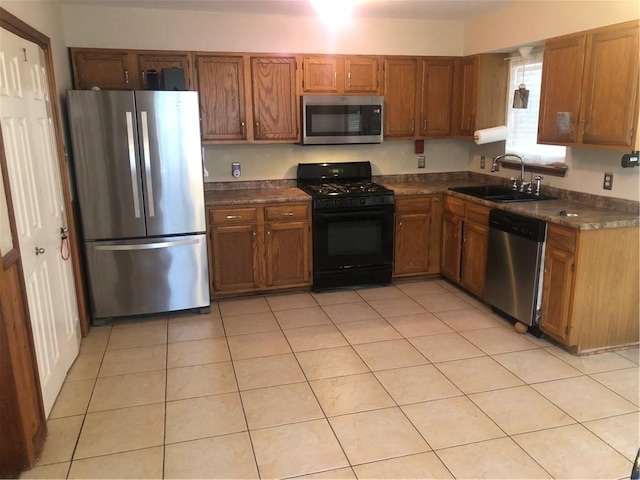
x=349, y=239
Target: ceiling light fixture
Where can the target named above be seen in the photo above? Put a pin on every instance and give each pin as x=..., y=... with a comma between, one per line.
x=336, y=13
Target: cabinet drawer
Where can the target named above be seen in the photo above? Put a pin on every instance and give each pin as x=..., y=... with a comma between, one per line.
x=477, y=213
x=233, y=215
x=286, y=212
x=560, y=237
x=454, y=205
x=413, y=204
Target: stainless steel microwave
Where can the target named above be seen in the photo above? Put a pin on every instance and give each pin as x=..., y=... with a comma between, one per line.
x=341, y=119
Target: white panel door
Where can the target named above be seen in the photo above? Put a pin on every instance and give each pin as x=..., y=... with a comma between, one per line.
x=34, y=177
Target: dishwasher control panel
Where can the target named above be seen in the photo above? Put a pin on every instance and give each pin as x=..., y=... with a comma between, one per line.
x=518, y=225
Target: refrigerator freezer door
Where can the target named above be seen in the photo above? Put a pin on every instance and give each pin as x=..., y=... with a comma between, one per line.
x=106, y=163
x=169, y=132
x=147, y=275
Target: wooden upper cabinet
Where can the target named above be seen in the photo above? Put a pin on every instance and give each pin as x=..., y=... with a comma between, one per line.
x=275, y=112
x=320, y=74
x=220, y=82
x=340, y=74
x=480, y=98
x=589, y=90
x=107, y=69
x=563, y=65
x=361, y=75
x=611, y=87
x=158, y=61
x=400, y=87
x=437, y=97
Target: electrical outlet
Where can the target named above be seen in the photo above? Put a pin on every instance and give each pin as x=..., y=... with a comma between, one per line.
x=421, y=161
x=482, y=162
x=235, y=169
x=607, y=184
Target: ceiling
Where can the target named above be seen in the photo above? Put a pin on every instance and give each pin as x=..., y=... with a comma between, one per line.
x=408, y=9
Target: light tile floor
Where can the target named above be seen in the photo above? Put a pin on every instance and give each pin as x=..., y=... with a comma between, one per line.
x=414, y=380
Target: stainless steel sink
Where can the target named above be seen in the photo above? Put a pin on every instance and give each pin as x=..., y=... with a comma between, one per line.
x=497, y=193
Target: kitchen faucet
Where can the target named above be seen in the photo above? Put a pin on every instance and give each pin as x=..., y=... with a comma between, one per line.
x=494, y=165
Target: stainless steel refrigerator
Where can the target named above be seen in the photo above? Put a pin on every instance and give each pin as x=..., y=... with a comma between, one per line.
x=139, y=180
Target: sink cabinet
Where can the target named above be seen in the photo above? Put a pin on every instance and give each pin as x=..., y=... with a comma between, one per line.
x=417, y=235
x=592, y=79
x=254, y=248
x=465, y=232
x=590, y=287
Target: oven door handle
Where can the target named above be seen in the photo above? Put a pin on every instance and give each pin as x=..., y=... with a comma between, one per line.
x=354, y=213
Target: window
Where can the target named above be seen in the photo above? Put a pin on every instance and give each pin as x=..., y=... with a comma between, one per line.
x=522, y=123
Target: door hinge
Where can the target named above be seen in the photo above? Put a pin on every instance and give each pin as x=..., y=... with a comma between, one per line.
x=631, y=133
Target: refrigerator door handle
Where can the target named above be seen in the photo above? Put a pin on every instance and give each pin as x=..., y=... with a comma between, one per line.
x=147, y=162
x=147, y=246
x=133, y=165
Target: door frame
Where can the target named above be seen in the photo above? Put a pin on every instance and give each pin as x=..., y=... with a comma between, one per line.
x=14, y=25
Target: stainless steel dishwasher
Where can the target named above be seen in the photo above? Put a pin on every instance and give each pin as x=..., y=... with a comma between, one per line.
x=515, y=259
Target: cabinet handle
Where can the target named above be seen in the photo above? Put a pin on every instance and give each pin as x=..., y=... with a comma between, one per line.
x=229, y=217
x=400, y=224
x=436, y=200
x=257, y=128
x=348, y=78
x=126, y=77
x=413, y=124
x=241, y=128
x=286, y=214
x=424, y=125
x=144, y=78
x=269, y=232
x=335, y=78
x=585, y=122
x=469, y=123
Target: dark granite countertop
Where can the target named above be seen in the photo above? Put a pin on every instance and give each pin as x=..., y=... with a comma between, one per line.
x=588, y=217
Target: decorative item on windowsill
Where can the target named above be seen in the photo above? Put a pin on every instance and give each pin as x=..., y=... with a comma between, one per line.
x=521, y=94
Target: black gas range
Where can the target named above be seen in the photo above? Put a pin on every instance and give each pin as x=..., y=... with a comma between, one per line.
x=352, y=224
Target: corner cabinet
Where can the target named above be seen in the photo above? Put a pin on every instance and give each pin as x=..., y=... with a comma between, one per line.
x=589, y=90
x=417, y=235
x=590, y=287
x=254, y=248
x=465, y=232
x=480, y=93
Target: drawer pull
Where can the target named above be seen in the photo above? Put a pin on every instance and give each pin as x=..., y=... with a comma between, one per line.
x=287, y=214
x=230, y=217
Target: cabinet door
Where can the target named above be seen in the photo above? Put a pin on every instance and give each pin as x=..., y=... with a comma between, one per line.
x=287, y=254
x=221, y=89
x=562, y=69
x=400, y=86
x=451, y=246
x=361, y=75
x=158, y=61
x=474, y=257
x=557, y=294
x=107, y=69
x=610, y=88
x=468, y=96
x=274, y=98
x=412, y=240
x=437, y=97
x=235, y=258
x=320, y=74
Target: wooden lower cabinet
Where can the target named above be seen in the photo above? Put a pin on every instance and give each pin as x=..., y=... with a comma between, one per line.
x=591, y=287
x=465, y=234
x=417, y=235
x=259, y=248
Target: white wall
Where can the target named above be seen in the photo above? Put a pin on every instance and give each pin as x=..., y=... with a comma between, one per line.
x=271, y=162
x=171, y=29
x=522, y=22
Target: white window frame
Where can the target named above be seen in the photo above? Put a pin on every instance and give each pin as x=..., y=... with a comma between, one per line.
x=522, y=124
